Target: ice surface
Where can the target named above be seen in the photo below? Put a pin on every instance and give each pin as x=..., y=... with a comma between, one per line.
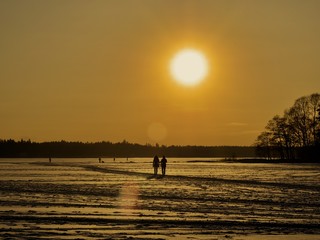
x=81, y=198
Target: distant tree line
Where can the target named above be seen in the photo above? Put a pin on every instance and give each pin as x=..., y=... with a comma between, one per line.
x=11, y=148
x=295, y=135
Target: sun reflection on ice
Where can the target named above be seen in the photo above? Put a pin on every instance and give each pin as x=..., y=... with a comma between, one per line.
x=128, y=197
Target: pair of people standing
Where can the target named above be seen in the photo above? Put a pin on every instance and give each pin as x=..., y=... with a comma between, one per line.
x=156, y=164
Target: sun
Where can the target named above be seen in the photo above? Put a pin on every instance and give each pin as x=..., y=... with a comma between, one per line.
x=189, y=67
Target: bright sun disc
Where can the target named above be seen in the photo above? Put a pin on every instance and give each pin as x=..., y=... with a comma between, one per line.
x=189, y=67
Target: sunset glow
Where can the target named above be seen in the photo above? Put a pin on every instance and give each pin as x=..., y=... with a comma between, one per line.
x=168, y=72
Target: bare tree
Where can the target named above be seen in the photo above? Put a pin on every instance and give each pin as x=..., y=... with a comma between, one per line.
x=298, y=128
x=264, y=145
x=314, y=115
x=302, y=117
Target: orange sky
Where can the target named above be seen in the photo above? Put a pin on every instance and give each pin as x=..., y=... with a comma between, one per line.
x=99, y=70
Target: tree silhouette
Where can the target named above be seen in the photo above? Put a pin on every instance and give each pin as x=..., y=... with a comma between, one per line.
x=296, y=134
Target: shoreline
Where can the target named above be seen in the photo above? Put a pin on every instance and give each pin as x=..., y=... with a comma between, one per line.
x=273, y=161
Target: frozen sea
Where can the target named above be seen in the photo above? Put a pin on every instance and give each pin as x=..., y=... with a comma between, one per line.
x=81, y=198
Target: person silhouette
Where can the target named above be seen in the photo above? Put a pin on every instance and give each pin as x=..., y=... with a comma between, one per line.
x=163, y=165
x=155, y=164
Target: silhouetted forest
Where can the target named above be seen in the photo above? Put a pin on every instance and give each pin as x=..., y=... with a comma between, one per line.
x=11, y=148
x=295, y=135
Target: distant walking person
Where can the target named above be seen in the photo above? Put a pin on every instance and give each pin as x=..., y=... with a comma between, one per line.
x=155, y=165
x=163, y=165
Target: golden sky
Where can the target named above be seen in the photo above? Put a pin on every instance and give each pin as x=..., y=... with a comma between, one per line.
x=99, y=70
